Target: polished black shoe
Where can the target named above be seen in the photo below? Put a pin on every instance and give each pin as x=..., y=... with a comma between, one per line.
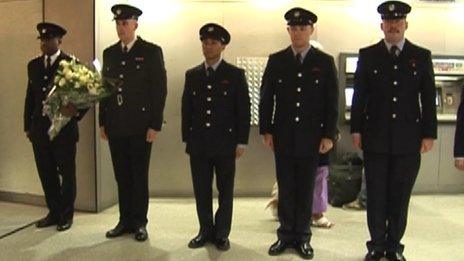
x=46, y=222
x=222, y=244
x=374, y=256
x=141, y=234
x=198, y=241
x=64, y=225
x=395, y=256
x=305, y=250
x=277, y=248
x=119, y=230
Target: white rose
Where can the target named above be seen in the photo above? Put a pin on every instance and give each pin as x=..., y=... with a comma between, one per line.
x=77, y=85
x=93, y=91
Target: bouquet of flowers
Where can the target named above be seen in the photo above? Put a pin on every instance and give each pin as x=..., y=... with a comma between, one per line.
x=74, y=84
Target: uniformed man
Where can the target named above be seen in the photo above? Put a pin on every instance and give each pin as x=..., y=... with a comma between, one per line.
x=298, y=113
x=56, y=158
x=459, y=136
x=215, y=128
x=393, y=120
x=131, y=118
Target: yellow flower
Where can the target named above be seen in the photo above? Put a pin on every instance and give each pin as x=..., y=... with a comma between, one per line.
x=62, y=82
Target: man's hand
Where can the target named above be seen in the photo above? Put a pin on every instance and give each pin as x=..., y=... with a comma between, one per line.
x=325, y=146
x=151, y=135
x=239, y=152
x=357, y=140
x=427, y=145
x=459, y=163
x=268, y=142
x=103, y=133
x=69, y=110
x=28, y=135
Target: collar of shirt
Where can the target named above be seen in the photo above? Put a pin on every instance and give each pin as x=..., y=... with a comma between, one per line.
x=400, y=44
x=303, y=53
x=53, y=57
x=129, y=45
x=214, y=66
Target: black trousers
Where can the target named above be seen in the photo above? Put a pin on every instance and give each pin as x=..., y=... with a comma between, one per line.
x=131, y=160
x=54, y=161
x=295, y=178
x=203, y=168
x=389, y=183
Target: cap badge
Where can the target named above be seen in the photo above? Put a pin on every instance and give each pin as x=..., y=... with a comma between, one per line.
x=210, y=29
x=44, y=31
x=391, y=7
x=296, y=14
x=118, y=11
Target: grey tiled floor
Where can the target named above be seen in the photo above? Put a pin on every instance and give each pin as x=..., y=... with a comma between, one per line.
x=435, y=232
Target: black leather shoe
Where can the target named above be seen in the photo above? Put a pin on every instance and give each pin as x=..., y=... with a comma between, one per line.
x=277, y=248
x=46, y=222
x=64, y=225
x=373, y=256
x=222, y=244
x=198, y=241
x=305, y=250
x=395, y=256
x=141, y=234
x=119, y=230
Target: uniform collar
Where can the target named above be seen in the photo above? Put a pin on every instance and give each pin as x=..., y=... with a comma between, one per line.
x=303, y=53
x=53, y=57
x=129, y=45
x=214, y=66
x=400, y=44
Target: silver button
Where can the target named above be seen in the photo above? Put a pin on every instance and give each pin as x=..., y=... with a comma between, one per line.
x=208, y=112
x=415, y=72
x=208, y=99
x=298, y=104
x=44, y=89
x=322, y=125
x=194, y=93
x=298, y=89
x=279, y=81
x=316, y=81
x=297, y=119
x=191, y=128
x=138, y=67
x=395, y=83
x=45, y=77
x=375, y=71
x=209, y=87
x=395, y=99
x=367, y=117
x=123, y=63
x=225, y=93
x=119, y=89
x=394, y=116
x=143, y=108
x=121, y=76
x=208, y=124
x=230, y=130
x=395, y=67
x=417, y=120
x=300, y=75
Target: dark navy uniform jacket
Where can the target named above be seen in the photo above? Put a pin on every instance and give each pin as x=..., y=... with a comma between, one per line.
x=459, y=135
x=299, y=103
x=139, y=103
x=39, y=79
x=215, y=113
x=393, y=105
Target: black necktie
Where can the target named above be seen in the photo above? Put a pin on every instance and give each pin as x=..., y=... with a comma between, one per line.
x=124, y=49
x=298, y=58
x=49, y=62
x=394, y=51
x=210, y=71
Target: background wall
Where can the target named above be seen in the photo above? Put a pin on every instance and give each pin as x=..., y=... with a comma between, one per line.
x=258, y=29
